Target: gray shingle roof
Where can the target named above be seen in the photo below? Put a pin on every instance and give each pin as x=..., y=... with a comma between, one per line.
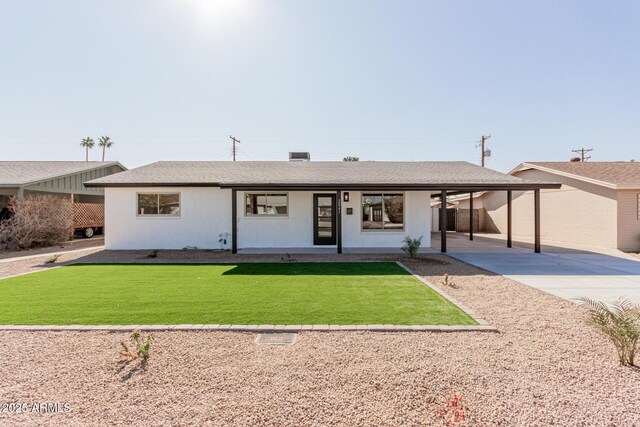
x=618, y=174
x=294, y=174
x=15, y=174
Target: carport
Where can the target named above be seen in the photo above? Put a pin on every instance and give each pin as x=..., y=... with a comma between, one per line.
x=509, y=188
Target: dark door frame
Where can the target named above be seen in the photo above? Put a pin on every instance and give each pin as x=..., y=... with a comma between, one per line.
x=317, y=240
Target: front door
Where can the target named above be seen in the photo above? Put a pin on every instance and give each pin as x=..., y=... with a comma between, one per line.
x=324, y=219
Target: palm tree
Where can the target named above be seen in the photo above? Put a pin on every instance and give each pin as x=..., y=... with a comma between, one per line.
x=87, y=143
x=105, y=142
x=620, y=322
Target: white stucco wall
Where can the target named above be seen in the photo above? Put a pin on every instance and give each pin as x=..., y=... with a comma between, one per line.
x=293, y=231
x=417, y=218
x=206, y=212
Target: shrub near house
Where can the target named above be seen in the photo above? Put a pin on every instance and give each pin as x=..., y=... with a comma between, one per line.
x=36, y=221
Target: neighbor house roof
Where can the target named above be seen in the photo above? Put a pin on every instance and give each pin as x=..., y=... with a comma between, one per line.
x=618, y=175
x=18, y=173
x=329, y=175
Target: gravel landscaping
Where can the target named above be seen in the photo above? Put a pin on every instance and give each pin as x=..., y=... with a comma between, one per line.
x=544, y=367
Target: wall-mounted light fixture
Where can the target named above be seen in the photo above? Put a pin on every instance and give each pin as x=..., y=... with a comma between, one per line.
x=345, y=197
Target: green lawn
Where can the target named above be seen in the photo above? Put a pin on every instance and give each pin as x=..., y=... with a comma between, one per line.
x=275, y=293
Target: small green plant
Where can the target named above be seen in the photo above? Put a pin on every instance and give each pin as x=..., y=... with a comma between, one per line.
x=619, y=322
x=410, y=246
x=448, y=282
x=153, y=254
x=52, y=260
x=142, y=345
x=287, y=257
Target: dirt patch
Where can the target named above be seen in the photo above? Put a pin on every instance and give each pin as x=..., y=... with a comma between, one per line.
x=545, y=367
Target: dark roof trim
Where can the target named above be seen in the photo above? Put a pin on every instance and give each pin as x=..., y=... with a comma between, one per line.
x=354, y=187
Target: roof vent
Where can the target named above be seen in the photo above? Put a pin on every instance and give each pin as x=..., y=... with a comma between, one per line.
x=299, y=156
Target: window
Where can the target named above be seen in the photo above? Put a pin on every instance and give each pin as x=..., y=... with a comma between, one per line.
x=158, y=204
x=384, y=212
x=269, y=204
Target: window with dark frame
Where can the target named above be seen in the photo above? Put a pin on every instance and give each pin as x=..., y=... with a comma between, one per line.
x=158, y=204
x=266, y=204
x=382, y=212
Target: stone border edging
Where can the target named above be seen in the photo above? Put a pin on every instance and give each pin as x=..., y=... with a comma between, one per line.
x=253, y=328
x=486, y=326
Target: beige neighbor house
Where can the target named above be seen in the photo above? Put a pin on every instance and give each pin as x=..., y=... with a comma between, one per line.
x=598, y=204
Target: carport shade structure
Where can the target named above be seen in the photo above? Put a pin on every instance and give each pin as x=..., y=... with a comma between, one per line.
x=440, y=178
x=536, y=214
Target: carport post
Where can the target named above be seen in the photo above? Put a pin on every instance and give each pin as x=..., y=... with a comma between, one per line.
x=234, y=221
x=338, y=220
x=509, y=220
x=536, y=202
x=443, y=221
x=471, y=216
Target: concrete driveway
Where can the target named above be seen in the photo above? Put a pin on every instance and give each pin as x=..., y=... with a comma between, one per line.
x=564, y=272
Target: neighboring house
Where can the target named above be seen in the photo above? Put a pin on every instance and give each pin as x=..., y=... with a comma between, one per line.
x=171, y=205
x=59, y=179
x=597, y=205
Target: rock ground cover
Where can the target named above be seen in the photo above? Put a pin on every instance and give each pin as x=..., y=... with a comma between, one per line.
x=545, y=367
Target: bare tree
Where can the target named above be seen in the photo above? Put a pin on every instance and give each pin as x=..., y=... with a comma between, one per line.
x=87, y=143
x=37, y=221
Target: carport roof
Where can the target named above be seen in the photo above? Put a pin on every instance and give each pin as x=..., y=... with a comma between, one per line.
x=317, y=175
x=20, y=173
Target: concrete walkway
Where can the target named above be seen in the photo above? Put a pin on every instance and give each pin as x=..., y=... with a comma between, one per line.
x=565, y=272
x=69, y=247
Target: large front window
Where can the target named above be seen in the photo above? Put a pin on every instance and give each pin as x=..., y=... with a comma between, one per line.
x=269, y=204
x=382, y=212
x=159, y=204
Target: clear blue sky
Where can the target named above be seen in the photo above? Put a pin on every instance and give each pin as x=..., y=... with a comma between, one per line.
x=402, y=80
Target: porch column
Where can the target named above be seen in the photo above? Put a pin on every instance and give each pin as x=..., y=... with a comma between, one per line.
x=234, y=221
x=536, y=202
x=443, y=221
x=509, y=220
x=471, y=216
x=339, y=221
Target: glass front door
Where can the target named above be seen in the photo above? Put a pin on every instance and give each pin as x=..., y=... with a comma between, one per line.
x=324, y=219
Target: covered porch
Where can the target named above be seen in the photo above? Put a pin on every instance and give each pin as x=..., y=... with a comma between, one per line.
x=321, y=220
x=346, y=204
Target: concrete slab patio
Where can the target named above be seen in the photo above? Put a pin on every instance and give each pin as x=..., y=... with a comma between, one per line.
x=565, y=272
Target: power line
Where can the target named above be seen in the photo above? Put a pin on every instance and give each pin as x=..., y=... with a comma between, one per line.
x=235, y=141
x=582, y=152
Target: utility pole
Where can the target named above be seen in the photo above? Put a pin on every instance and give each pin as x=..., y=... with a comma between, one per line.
x=235, y=141
x=484, y=151
x=582, y=151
